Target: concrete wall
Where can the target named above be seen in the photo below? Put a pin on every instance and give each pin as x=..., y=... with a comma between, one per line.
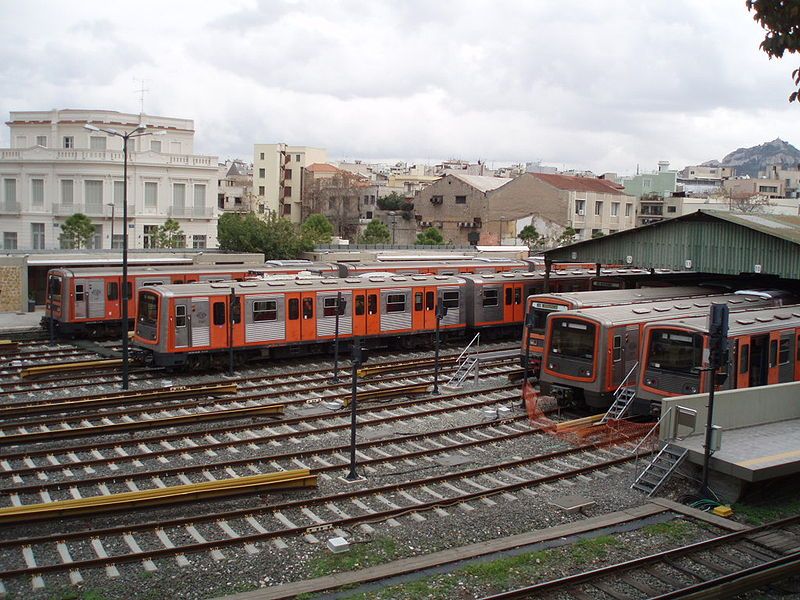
x=13, y=284
x=735, y=408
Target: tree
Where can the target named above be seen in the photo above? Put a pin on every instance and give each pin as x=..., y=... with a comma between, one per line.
x=567, y=237
x=317, y=229
x=781, y=19
x=170, y=235
x=275, y=238
x=77, y=231
x=376, y=233
x=393, y=201
x=530, y=236
x=597, y=234
x=430, y=237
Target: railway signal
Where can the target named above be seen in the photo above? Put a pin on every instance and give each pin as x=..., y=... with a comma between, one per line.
x=359, y=357
x=441, y=312
x=718, y=343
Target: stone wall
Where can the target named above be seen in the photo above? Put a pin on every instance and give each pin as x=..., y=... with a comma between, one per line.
x=13, y=284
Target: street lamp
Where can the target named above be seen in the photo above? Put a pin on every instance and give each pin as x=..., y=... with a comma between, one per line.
x=140, y=131
x=111, y=204
x=393, y=215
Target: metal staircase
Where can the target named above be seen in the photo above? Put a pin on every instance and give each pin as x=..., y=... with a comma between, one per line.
x=660, y=469
x=623, y=396
x=467, y=364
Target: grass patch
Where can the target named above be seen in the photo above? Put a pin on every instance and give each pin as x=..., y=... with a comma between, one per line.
x=593, y=549
x=758, y=515
x=504, y=571
x=674, y=531
x=359, y=556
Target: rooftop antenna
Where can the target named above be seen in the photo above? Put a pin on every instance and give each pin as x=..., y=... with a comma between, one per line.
x=141, y=91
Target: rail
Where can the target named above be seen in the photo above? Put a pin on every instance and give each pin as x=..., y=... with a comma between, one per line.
x=70, y=366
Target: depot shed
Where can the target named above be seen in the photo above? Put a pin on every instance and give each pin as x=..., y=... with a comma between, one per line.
x=704, y=242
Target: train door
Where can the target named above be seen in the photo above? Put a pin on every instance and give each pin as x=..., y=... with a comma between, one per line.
x=418, y=309
x=784, y=368
x=508, y=302
x=743, y=362
x=430, y=309
x=199, y=323
x=96, y=299
x=308, y=327
x=519, y=303
x=630, y=351
x=293, y=320
x=81, y=298
x=797, y=357
x=181, y=322
x=359, y=313
x=617, y=366
x=759, y=363
x=219, y=322
x=373, y=312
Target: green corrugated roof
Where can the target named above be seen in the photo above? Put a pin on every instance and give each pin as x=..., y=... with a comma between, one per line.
x=786, y=227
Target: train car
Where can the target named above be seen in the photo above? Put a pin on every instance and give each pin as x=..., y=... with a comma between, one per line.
x=434, y=267
x=496, y=301
x=293, y=267
x=542, y=305
x=190, y=325
x=589, y=353
x=762, y=350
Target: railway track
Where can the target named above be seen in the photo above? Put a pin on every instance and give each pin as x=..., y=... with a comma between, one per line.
x=720, y=567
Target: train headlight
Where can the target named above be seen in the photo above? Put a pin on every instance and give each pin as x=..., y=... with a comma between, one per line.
x=587, y=372
x=649, y=381
x=692, y=389
x=549, y=365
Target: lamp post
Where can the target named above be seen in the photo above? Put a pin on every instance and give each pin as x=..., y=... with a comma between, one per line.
x=111, y=204
x=393, y=215
x=140, y=131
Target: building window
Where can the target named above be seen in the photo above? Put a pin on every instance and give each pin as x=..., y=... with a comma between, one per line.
x=97, y=142
x=615, y=209
x=647, y=184
x=768, y=189
x=155, y=145
x=149, y=239
x=287, y=192
x=199, y=199
x=461, y=199
x=119, y=192
x=37, y=236
x=175, y=147
x=287, y=210
x=262, y=156
x=150, y=196
x=178, y=199
x=628, y=209
x=297, y=158
x=261, y=190
x=672, y=209
x=262, y=173
x=22, y=141
x=598, y=208
x=93, y=194
x=41, y=140
x=97, y=239
x=287, y=173
x=67, y=192
x=69, y=141
x=37, y=193
x=116, y=241
x=580, y=207
x=369, y=214
x=10, y=193
x=198, y=241
x=10, y=240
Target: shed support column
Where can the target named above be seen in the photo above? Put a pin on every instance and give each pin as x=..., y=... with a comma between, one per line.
x=548, y=264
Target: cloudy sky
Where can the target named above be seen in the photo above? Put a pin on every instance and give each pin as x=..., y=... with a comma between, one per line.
x=589, y=85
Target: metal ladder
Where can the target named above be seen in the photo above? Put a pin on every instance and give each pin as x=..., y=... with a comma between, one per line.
x=623, y=396
x=660, y=469
x=467, y=363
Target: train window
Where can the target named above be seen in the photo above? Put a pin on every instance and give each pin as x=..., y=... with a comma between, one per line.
x=236, y=309
x=418, y=304
x=308, y=308
x=617, y=348
x=129, y=290
x=517, y=296
x=798, y=347
x=490, y=298
x=360, y=304
x=178, y=281
x=395, y=303
x=180, y=315
x=429, y=300
x=148, y=309
x=784, y=352
x=294, y=309
x=113, y=290
x=79, y=296
x=329, y=307
x=450, y=299
x=773, y=353
x=744, y=359
x=54, y=288
x=372, y=304
x=509, y=293
x=265, y=310
x=219, y=313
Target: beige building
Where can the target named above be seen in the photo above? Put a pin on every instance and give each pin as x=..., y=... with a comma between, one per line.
x=278, y=177
x=747, y=188
x=235, y=188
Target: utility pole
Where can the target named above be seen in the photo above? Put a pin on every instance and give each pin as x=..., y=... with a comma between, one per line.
x=358, y=358
x=717, y=356
x=336, y=340
x=441, y=311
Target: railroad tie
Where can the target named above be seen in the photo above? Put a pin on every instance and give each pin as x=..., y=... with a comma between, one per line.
x=97, y=546
x=180, y=558
x=216, y=554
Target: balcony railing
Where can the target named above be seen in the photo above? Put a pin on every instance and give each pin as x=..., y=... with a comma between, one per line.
x=190, y=212
x=91, y=210
x=9, y=207
x=115, y=156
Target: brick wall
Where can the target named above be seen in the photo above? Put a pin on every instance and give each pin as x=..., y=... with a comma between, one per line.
x=11, y=287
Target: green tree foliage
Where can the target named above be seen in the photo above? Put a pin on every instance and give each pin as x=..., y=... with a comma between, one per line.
x=275, y=238
x=530, y=236
x=317, y=229
x=781, y=19
x=430, y=237
x=170, y=235
x=393, y=201
x=376, y=233
x=567, y=237
x=598, y=234
x=77, y=231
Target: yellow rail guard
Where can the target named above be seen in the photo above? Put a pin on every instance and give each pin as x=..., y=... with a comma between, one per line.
x=298, y=478
x=70, y=366
x=578, y=423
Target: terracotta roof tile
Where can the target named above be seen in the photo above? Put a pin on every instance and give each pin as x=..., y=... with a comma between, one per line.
x=580, y=184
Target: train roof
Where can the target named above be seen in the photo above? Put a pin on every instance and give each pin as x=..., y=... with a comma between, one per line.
x=746, y=321
x=117, y=270
x=412, y=264
x=598, y=297
x=306, y=285
x=665, y=309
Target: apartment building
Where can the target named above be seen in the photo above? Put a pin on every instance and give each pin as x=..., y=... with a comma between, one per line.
x=278, y=177
x=56, y=168
x=235, y=188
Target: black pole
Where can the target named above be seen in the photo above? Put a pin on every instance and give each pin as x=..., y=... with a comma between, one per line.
x=436, y=355
x=548, y=264
x=353, y=475
x=336, y=340
x=717, y=355
x=709, y=425
x=230, y=331
x=125, y=263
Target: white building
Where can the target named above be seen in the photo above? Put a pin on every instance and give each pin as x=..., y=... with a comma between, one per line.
x=278, y=177
x=56, y=168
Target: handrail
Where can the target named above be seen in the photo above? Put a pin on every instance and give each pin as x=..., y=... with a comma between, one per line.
x=652, y=429
x=622, y=383
x=460, y=356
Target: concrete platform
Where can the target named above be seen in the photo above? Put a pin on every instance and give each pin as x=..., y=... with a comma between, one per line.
x=754, y=453
x=20, y=321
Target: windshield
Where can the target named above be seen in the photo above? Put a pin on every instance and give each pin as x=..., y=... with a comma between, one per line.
x=148, y=308
x=54, y=288
x=572, y=338
x=675, y=351
x=540, y=311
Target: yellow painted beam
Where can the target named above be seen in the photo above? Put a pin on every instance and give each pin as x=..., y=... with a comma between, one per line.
x=576, y=423
x=70, y=366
